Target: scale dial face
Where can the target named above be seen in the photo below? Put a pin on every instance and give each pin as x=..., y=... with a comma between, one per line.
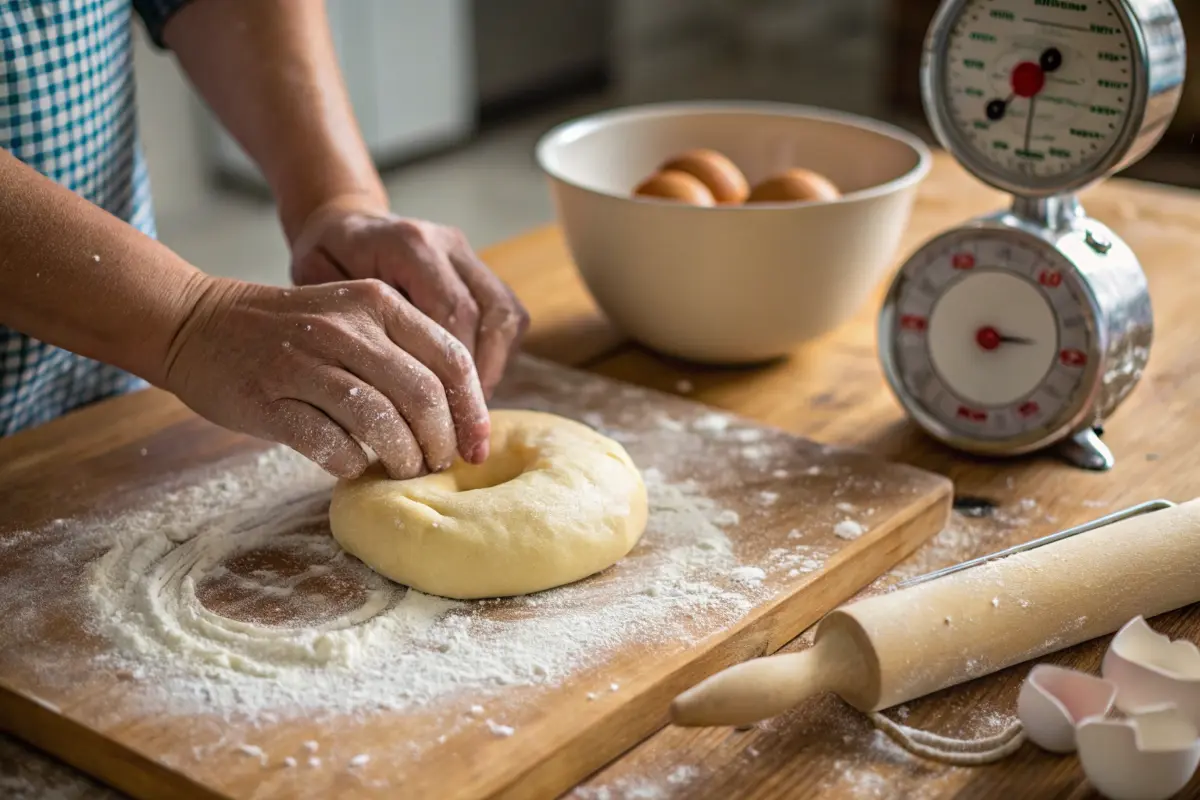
x=1037, y=94
x=991, y=340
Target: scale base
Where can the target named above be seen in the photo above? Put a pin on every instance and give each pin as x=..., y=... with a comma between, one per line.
x=1086, y=451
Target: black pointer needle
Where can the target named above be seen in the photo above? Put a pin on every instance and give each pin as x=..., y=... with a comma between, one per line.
x=1014, y=340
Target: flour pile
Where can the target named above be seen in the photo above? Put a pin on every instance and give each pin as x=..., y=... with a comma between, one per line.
x=232, y=596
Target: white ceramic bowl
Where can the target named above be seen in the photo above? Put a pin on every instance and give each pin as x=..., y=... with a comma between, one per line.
x=731, y=284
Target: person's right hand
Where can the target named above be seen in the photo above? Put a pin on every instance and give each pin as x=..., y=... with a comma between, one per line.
x=326, y=369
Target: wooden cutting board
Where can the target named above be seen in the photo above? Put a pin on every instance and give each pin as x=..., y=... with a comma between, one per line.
x=754, y=534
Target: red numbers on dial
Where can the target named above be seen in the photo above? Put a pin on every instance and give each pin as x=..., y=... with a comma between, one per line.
x=913, y=322
x=962, y=261
x=1028, y=409
x=1050, y=278
x=1073, y=358
x=972, y=414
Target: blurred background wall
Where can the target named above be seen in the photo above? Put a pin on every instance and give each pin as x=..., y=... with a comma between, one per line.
x=452, y=94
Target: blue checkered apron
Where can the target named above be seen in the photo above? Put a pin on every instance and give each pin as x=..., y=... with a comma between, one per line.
x=67, y=109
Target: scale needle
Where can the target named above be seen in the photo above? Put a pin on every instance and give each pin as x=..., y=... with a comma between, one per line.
x=1029, y=123
x=989, y=338
x=1058, y=25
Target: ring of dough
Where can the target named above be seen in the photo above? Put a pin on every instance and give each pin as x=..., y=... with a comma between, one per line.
x=554, y=503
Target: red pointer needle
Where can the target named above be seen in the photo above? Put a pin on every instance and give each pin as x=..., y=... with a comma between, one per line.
x=989, y=338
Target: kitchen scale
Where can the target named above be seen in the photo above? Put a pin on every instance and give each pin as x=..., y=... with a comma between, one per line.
x=1025, y=329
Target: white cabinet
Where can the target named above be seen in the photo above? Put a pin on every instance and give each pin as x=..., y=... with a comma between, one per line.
x=409, y=69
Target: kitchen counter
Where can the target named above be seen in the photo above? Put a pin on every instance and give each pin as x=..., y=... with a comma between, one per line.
x=831, y=391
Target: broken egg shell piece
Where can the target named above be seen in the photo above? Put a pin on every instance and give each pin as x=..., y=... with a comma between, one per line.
x=1147, y=756
x=1150, y=670
x=1054, y=700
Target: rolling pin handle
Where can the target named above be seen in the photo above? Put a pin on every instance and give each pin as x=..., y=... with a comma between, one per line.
x=765, y=687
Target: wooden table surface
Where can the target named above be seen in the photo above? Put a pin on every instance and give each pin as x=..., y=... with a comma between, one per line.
x=833, y=391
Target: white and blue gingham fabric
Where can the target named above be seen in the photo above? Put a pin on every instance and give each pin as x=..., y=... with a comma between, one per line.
x=67, y=109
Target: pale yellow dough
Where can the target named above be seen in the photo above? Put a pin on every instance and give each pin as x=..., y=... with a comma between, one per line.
x=554, y=502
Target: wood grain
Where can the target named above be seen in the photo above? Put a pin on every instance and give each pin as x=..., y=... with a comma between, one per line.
x=122, y=730
x=832, y=391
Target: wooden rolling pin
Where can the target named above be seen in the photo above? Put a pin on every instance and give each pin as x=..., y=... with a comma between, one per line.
x=891, y=648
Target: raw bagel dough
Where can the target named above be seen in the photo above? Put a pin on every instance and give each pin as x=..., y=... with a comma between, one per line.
x=555, y=502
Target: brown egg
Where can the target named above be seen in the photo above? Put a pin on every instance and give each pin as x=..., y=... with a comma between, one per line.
x=674, y=185
x=794, y=185
x=722, y=177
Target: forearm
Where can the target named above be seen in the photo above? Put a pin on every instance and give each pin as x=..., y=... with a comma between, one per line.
x=268, y=70
x=76, y=277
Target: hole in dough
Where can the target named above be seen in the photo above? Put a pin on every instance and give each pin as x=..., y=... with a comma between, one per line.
x=500, y=468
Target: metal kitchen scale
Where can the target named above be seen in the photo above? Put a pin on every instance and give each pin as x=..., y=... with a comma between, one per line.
x=1025, y=329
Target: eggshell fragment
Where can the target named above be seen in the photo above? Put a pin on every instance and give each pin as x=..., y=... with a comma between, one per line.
x=1148, y=756
x=1150, y=670
x=674, y=185
x=795, y=185
x=1054, y=700
x=722, y=177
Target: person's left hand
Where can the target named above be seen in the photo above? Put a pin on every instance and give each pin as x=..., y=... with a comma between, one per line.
x=433, y=265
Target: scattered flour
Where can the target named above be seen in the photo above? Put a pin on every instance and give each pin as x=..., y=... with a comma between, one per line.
x=799, y=559
x=882, y=748
x=751, y=575
x=253, y=751
x=683, y=775
x=229, y=596
x=670, y=424
x=756, y=452
x=674, y=785
x=768, y=498
x=727, y=517
x=712, y=423
x=848, y=529
x=500, y=730
x=360, y=760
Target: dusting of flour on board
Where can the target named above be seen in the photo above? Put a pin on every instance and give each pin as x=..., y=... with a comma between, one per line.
x=187, y=595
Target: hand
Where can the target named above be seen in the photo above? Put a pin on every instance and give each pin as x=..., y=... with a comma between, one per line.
x=327, y=369
x=432, y=265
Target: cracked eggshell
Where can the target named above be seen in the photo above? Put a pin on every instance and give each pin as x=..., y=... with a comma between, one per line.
x=1054, y=700
x=1148, y=756
x=1150, y=670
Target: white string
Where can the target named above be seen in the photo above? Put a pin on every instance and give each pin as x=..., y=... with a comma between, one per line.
x=956, y=752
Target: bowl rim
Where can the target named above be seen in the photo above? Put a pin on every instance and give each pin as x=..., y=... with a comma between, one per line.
x=580, y=126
